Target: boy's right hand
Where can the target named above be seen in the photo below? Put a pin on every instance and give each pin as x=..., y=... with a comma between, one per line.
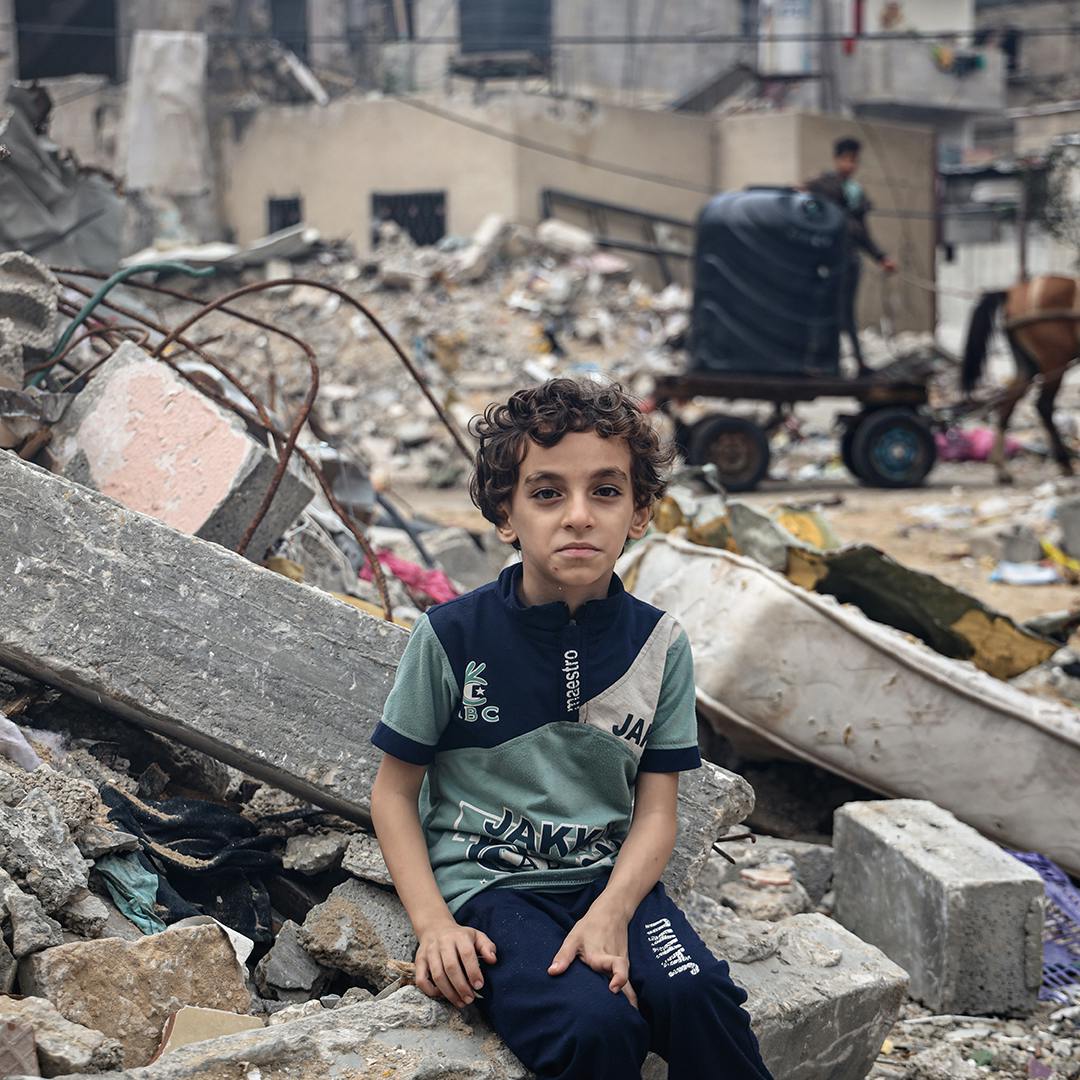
x=446, y=962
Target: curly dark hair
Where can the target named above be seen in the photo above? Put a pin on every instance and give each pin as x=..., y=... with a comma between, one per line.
x=545, y=414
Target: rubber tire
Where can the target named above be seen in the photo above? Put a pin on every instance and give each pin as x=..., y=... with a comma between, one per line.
x=875, y=438
x=846, y=441
x=755, y=450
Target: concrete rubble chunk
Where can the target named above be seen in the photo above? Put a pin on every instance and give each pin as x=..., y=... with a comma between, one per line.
x=312, y=854
x=404, y=1035
x=31, y=929
x=287, y=972
x=821, y=1000
x=960, y=915
x=29, y=295
x=9, y=968
x=96, y=841
x=85, y=914
x=76, y=800
x=142, y=435
x=129, y=989
x=472, y=263
x=296, y=1012
x=62, y=1047
x=562, y=238
x=363, y=859
x=37, y=851
x=115, y=607
x=18, y=1054
x=358, y=930
x=811, y=864
x=769, y=903
x=711, y=800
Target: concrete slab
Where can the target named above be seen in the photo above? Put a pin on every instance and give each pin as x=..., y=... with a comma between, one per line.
x=142, y=435
x=190, y=640
x=960, y=915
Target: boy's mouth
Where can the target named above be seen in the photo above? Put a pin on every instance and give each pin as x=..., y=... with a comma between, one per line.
x=580, y=551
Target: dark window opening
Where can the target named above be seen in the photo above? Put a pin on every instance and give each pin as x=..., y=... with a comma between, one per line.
x=422, y=214
x=283, y=214
x=748, y=18
x=66, y=37
x=494, y=26
x=289, y=25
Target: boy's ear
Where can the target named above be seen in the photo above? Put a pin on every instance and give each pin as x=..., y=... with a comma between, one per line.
x=504, y=530
x=639, y=522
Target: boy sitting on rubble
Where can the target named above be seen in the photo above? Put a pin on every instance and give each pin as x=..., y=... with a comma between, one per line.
x=541, y=722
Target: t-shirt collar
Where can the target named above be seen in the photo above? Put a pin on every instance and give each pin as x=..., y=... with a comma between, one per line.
x=556, y=615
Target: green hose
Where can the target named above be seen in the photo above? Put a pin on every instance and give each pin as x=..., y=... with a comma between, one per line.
x=106, y=286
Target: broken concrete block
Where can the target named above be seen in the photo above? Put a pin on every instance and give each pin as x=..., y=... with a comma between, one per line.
x=144, y=436
x=311, y=854
x=358, y=930
x=28, y=305
x=404, y=1035
x=117, y=608
x=768, y=903
x=86, y=915
x=711, y=800
x=96, y=841
x=75, y=799
x=363, y=859
x=961, y=916
x=36, y=850
x=820, y=1000
x=129, y=989
x=562, y=238
x=472, y=263
x=287, y=972
x=9, y=968
x=296, y=1012
x=62, y=1047
x=31, y=929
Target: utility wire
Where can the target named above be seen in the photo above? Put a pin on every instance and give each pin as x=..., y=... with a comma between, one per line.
x=547, y=42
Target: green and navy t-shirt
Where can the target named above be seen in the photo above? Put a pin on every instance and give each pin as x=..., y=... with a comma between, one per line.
x=534, y=726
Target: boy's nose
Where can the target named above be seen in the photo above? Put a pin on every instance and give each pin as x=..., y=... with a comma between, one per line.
x=578, y=512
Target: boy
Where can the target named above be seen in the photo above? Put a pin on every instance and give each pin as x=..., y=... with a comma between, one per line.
x=542, y=721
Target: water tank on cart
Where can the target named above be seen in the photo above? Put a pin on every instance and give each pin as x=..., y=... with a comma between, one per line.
x=767, y=276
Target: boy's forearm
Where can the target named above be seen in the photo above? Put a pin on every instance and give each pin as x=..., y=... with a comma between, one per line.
x=397, y=823
x=640, y=862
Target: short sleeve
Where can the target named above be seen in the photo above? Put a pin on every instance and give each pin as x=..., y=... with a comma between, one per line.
x=421, y=702
x=672, y=744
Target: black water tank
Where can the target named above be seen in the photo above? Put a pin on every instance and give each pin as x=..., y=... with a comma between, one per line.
x=494, y=26
x=767, y=278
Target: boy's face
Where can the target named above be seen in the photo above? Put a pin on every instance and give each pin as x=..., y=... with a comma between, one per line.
x=572, y=511
x=846, y=165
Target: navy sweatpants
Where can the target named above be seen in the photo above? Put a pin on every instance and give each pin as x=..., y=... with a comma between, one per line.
x=572, y=1027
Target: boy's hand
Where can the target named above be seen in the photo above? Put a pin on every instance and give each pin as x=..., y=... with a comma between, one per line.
x=599, y=939
x=446, y=964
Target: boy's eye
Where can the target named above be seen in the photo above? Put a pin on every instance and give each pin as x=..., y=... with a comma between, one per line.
x=545, y=494
x=608, y=491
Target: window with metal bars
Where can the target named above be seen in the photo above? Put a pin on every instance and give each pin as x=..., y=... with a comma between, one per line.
x=422, y=214
x=283, y=213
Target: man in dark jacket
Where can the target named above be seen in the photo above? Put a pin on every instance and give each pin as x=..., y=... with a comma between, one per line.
x=840, y=186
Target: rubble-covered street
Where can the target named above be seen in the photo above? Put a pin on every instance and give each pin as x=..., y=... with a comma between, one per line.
x=238, y=369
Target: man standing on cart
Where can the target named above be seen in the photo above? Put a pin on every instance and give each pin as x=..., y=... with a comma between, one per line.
x=840, y=186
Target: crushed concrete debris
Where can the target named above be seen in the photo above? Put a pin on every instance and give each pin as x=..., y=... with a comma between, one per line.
x=287, y=972
x=363, y=859
x=62, y=1046
x=312, y=854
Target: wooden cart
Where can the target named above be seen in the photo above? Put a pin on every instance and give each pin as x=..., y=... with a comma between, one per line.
x=888, y=443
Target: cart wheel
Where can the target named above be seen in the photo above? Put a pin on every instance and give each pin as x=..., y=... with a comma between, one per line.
x=736, y=446
x=892, y=448
x=846, y=454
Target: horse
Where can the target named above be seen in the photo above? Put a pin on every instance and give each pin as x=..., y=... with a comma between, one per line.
x=1042, y=326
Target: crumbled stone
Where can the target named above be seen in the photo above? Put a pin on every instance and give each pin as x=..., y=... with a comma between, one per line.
x=296, y=1012
x=62, y=1047
x=36, y=850
x=85, y=914
x=311, y=854
x=76, y=800
x=129, y=989
x=358, y=930
x=31, y=929
x=363, y=859
x=287, y=972
x=355, y=995
x=97, y=841
x=768, y=903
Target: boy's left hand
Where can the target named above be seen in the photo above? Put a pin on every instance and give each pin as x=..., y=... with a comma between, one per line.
x=599, y=939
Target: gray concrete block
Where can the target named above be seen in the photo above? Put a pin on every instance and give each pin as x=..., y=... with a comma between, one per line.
x=962, y=917
x=28, y=305
x=190, y=640
x=142, y=435
x=820, y=1000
